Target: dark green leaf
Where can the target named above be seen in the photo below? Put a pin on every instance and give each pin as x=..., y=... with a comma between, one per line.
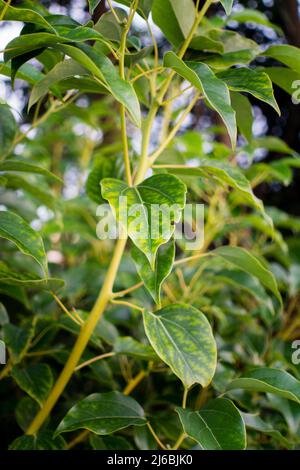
x=269, y=380
x=213, y=89
x=43, y=441
x=244, y=114
x=217, y=426
x=250, y=81
x=17, y=340
x=103, y=413
x=36, y=380
x=131, y=347
x=8, y=128
x=17, y=230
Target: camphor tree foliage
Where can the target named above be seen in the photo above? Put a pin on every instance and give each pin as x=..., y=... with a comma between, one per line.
x=145, y=344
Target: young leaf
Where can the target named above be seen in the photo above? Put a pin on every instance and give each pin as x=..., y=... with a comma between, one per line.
x=217, y=426
x=269, y=380
x=182, y=337
x=103, y=413
x=212, y=88
x=159, y=191
x=36, y=380
x=244, y=114
x=42, y=441
x=288, y=55
x=153, y=279
x=16, y=229
x=227, y=4
x=251, y=81
x=131, y=347
x=169, y=17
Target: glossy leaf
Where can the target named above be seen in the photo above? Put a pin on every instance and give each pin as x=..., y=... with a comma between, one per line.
x=250, y=81
x=142, y=201
x=268, y=380
x=153, y=279
x=36, y=380
x=217, y=426
x=17, y=230
x=103, y=413
x=182, y=337
x=212, y=88
x=25, y=15
x=167, y=14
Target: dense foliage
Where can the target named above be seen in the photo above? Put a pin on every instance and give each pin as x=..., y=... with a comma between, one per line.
x=145, y=343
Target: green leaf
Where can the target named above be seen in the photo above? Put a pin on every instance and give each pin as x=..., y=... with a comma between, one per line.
x=251, y=81
x=244, y=114
x=92, y=5
x=66, y=69
x=217, y=426
x=104, y=168
x=213, y=89
x=182, y=337
x=153, y=279
x=206, y=43
x=247, y=15
x=109, y=443
x=103, y=413
x=17, y=230
x=131, y=347
x=4, y=318
x=24, y=15
x=17, y=182
x=17, y=340
x=13, y=165
x=288, y=55
x=100, y=66
x=169, y=17
x=249, y=263
x=283, y=77
x=36, y=380
x=227, y=4
x=109, y=27
x=42, y=441
x=26, y=411
x=268, y=380
x=8, y=129
x=255, y=422
x=13, y=278
x=141, y=207
x=222, y=172
x=144, y=6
